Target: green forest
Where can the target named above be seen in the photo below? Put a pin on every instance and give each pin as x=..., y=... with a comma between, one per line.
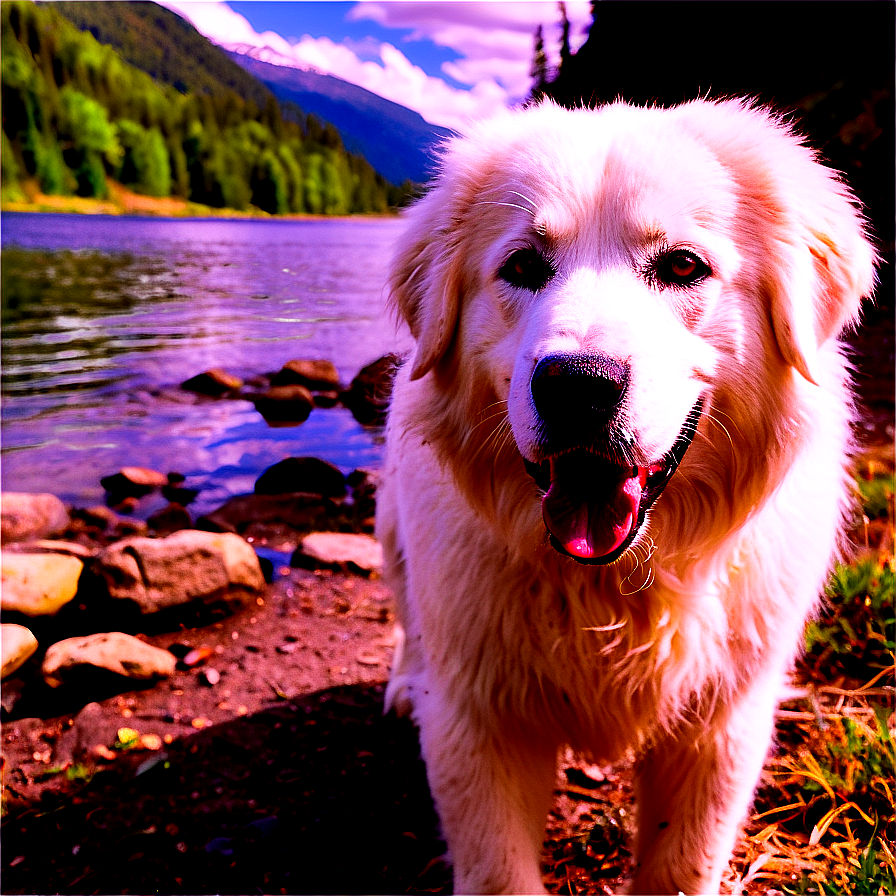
x=76, y=116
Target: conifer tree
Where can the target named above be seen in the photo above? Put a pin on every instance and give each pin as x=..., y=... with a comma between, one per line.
x=539, y=70
x=565, y=51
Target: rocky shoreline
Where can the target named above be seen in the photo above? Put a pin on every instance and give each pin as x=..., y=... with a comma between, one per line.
x=195, y=704
x=100, y=562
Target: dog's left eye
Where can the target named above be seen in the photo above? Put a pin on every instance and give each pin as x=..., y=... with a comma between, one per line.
x=680, y=268
x=528, y=269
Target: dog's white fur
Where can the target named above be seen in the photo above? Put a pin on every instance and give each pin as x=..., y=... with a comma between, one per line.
x=508, y=649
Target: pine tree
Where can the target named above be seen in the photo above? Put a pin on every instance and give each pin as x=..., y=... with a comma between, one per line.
x=539, y=70
x=565, y=51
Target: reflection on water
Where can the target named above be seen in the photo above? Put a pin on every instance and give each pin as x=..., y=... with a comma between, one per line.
x=103, y=318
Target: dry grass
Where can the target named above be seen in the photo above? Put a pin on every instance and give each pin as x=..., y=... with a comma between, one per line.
x=824, y=819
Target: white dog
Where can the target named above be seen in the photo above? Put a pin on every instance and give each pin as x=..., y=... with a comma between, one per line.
x=616, y=466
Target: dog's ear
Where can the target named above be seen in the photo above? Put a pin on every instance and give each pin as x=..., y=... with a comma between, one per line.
x=426, y=281
x=820, y=264
x=826, y=267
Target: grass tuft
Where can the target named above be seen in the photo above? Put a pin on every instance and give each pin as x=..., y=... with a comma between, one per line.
x=824, y=818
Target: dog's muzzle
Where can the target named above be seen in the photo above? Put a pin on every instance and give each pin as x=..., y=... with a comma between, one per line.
x=596, y=497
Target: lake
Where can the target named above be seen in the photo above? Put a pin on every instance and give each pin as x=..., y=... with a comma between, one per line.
x=104, y=317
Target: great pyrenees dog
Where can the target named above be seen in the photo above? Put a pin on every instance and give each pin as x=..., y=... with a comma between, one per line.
x=616, y=466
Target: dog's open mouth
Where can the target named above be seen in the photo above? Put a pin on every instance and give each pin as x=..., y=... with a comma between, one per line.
x=593, y=507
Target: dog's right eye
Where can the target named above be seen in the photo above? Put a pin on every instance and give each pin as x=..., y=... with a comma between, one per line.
x=527, y=269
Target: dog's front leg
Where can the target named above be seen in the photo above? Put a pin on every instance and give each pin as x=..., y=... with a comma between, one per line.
x=694, y=789
x=492, y=792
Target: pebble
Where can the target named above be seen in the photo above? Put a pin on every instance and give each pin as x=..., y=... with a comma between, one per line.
x=210, y=677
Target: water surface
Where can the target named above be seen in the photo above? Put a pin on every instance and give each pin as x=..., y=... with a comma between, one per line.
x=104, y=317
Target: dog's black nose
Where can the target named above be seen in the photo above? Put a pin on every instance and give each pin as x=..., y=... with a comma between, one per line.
x=578, y=388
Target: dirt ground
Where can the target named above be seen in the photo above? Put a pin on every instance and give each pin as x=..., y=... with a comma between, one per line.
x=266, y=765
x=281, y=776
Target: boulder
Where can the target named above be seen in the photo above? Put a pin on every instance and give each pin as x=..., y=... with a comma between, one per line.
x=133, y=482
x=115, y=651
x=285, y=404
x=319, y=376
x=340, y=551
x=17, y=644
x=368, y=395
x=302, y=474
x=158, y=573
x=302, y=512
x=31, y=516
x=38, y=584
x=213, y=382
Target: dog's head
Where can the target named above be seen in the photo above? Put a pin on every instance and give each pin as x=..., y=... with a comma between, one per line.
x=595, y=283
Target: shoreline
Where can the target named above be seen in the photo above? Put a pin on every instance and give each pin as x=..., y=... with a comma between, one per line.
x=125, y=203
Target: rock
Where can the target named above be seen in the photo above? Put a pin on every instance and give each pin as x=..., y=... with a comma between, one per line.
x=158, y=573
x=11, y=693
x=302, y=512
x=104, y=521
x=213, y=382
x=91, y=727
x=340, y=551
x=38, y=584
x=179, y=494
x=115, y=651
x=31, y=516
x=320, y=376
x=210, y=677
x=17, y=644
x=364, y=485
x=172, y=518
x=368, y=395
x=362, y=478
x=302, y=474
x=285, y=404
x=133, y=482
x=326, y=399
x=54, y=546
x=99, y=517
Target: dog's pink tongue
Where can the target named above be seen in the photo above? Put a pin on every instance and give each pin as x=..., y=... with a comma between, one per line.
x=591, y=505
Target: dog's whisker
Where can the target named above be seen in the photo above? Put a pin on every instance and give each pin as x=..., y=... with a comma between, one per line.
x=525, y=198
x=522, y=208
x=716, y=413
x=604, y=628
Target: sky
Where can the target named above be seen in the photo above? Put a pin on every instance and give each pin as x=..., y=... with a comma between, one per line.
x=450, y=60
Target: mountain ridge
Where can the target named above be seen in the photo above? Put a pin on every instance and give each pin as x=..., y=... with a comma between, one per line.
x=397, y=141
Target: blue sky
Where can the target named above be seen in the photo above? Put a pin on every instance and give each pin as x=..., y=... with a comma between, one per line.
x=449, y=60
x=332, y=19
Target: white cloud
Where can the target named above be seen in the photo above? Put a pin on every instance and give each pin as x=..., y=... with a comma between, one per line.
x=483, y=30
x=494, y=42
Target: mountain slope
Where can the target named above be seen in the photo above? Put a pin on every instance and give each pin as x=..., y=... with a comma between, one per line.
x=76, y=115
x=399, y=143
x=165, y=46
